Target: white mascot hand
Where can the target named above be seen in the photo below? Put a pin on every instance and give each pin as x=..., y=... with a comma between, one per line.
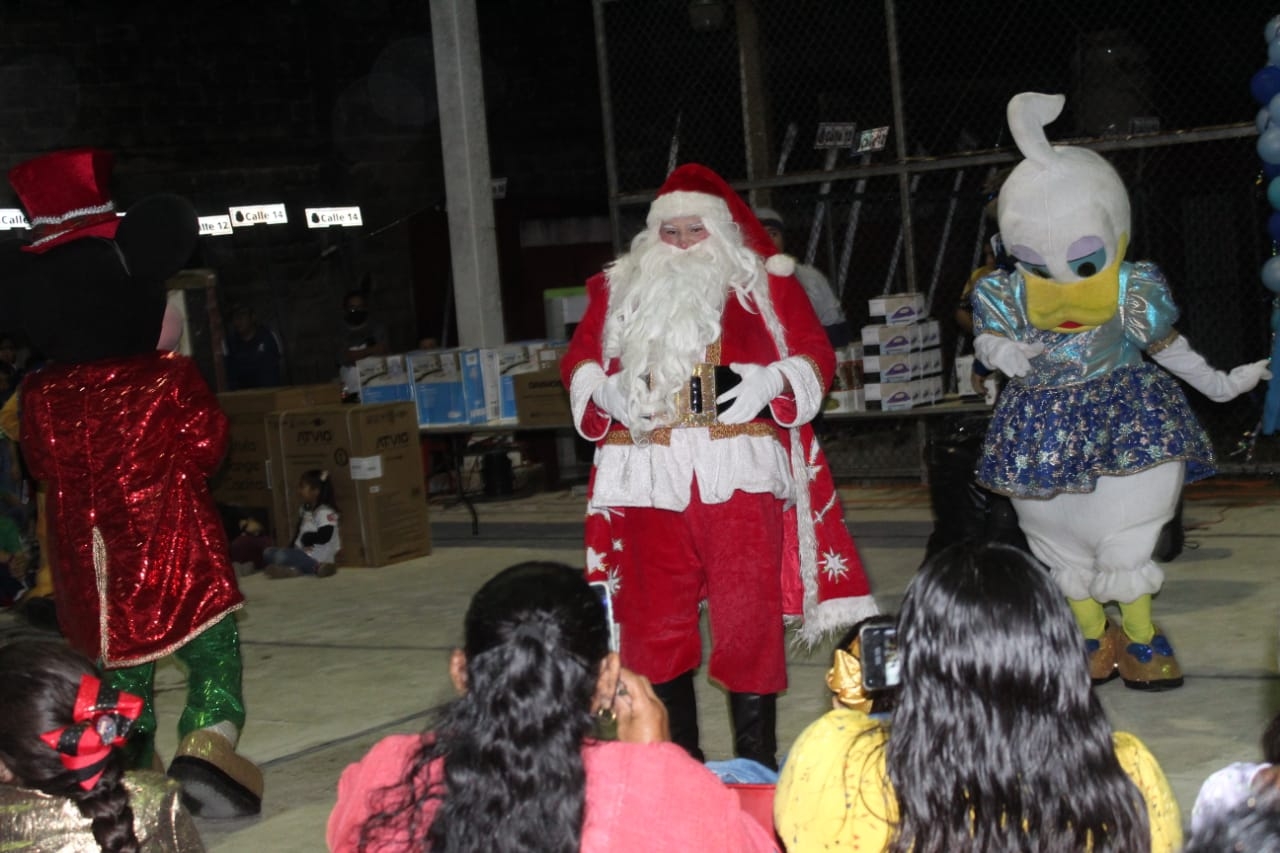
x=760, y=384
x=1012, y=358
x=609, y=398
x=1190, y=366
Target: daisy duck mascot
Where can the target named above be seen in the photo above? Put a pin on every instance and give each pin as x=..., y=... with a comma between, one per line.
x=124, y=436
x=1090, y=440
x=696, y=369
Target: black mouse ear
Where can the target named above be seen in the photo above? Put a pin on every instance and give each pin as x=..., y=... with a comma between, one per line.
x=158, y=235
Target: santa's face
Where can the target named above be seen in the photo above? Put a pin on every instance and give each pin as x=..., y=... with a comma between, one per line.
x=682, y=231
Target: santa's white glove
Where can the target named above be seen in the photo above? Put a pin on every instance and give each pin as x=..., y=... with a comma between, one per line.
x=760, y=384
x=1012, y=358
x=609, y=398
x=1188, y=365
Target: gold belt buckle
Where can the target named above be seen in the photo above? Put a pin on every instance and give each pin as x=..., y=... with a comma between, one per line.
x=703, y=381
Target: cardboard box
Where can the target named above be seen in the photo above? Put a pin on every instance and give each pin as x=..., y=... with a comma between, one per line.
x=895, y=367
x=541, y=399
x=890, y=396
x=930, y=333
x=898, y=309
x=514, y=359
x=384, y=379
x=478, y=368
x=245, y=479
x=374, y=460
x=851, y=400
x=849, y=368
x=437, y=387
x=885, y=340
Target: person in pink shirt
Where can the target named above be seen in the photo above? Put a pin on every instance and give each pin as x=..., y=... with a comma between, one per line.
x=518, y=761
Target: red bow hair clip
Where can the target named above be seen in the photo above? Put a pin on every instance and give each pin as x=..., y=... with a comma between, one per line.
x=102, y=718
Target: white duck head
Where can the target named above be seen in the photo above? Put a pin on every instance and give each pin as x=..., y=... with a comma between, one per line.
x=1064, y=216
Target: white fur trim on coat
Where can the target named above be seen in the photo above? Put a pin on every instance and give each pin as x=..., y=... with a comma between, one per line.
x=681, y=203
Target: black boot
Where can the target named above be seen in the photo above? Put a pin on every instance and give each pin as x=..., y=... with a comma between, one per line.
x=755, y=727
x=682, y=712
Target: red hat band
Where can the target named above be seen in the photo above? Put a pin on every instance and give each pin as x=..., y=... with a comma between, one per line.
x=695, y=190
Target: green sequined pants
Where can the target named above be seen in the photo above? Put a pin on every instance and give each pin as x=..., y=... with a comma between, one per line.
x=212, y=660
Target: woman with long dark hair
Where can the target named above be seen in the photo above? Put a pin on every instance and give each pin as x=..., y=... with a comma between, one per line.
x=514, y=763
x=996, y=743
x=62, y=779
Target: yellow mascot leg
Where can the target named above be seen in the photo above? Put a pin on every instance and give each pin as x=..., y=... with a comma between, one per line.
x=1092, y=619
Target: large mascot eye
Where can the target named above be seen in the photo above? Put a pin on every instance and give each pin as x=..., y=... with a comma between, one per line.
x=1031, y=260
x=1086, y=256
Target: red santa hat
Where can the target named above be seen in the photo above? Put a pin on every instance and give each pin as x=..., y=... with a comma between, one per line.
x=66, y=197
x=695, y=190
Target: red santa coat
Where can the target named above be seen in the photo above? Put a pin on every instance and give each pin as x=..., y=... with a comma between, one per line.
x=140, y=555
x=823, y=581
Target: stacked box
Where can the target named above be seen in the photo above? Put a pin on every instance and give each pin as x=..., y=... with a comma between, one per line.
x=898, y=309
x=846, y=392
x=541, y=398
x=514, y=359
x=479, y=371
x=384, y=379
x=375, y=464
x=895, y=396
x=903, y=359
x=903, y=367
x=437, y=387
x=246, y=484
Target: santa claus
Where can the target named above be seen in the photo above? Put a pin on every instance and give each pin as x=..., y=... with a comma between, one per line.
x=696, y=369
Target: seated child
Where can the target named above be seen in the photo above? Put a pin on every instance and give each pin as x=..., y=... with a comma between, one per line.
x=62, y=779
x=316, y=546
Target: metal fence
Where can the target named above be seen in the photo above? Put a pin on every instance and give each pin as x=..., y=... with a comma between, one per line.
x=1161, y=89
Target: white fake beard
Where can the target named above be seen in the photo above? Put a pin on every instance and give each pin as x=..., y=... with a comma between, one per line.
x=665, y=306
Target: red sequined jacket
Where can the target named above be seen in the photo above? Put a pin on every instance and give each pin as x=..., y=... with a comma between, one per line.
x=140, y=556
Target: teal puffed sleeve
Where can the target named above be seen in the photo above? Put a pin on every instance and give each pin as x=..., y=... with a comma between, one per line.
x=1148, y=307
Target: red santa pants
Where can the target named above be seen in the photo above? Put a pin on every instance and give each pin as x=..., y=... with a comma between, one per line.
x=728, y=553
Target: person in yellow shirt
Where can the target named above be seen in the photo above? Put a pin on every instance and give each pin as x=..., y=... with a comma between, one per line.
x=996, y=741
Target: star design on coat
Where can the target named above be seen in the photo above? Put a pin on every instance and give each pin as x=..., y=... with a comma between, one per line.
x=617, y=544
x=613, y=581
x=834, y=565
x=596, y=564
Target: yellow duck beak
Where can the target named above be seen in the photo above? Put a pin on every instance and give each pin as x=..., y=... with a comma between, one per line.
x=1075, y=306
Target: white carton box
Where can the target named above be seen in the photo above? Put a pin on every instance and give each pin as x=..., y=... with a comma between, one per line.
x=890, y=396
x=850, y=400
x=894, y=367
x=437, y=387
x=930, y=333
x=384, y=379
x=898, y=309
x=884, y=340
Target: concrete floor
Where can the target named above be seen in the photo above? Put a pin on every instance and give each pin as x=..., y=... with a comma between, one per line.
x=333, y=665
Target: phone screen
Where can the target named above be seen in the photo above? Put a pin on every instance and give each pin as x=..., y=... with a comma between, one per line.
x=881, y=668
x=606, y=598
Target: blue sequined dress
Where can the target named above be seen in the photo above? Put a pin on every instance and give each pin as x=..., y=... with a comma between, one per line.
x=1091, y=405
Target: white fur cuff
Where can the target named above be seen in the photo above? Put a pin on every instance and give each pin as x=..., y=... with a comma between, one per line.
x=586, y=379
